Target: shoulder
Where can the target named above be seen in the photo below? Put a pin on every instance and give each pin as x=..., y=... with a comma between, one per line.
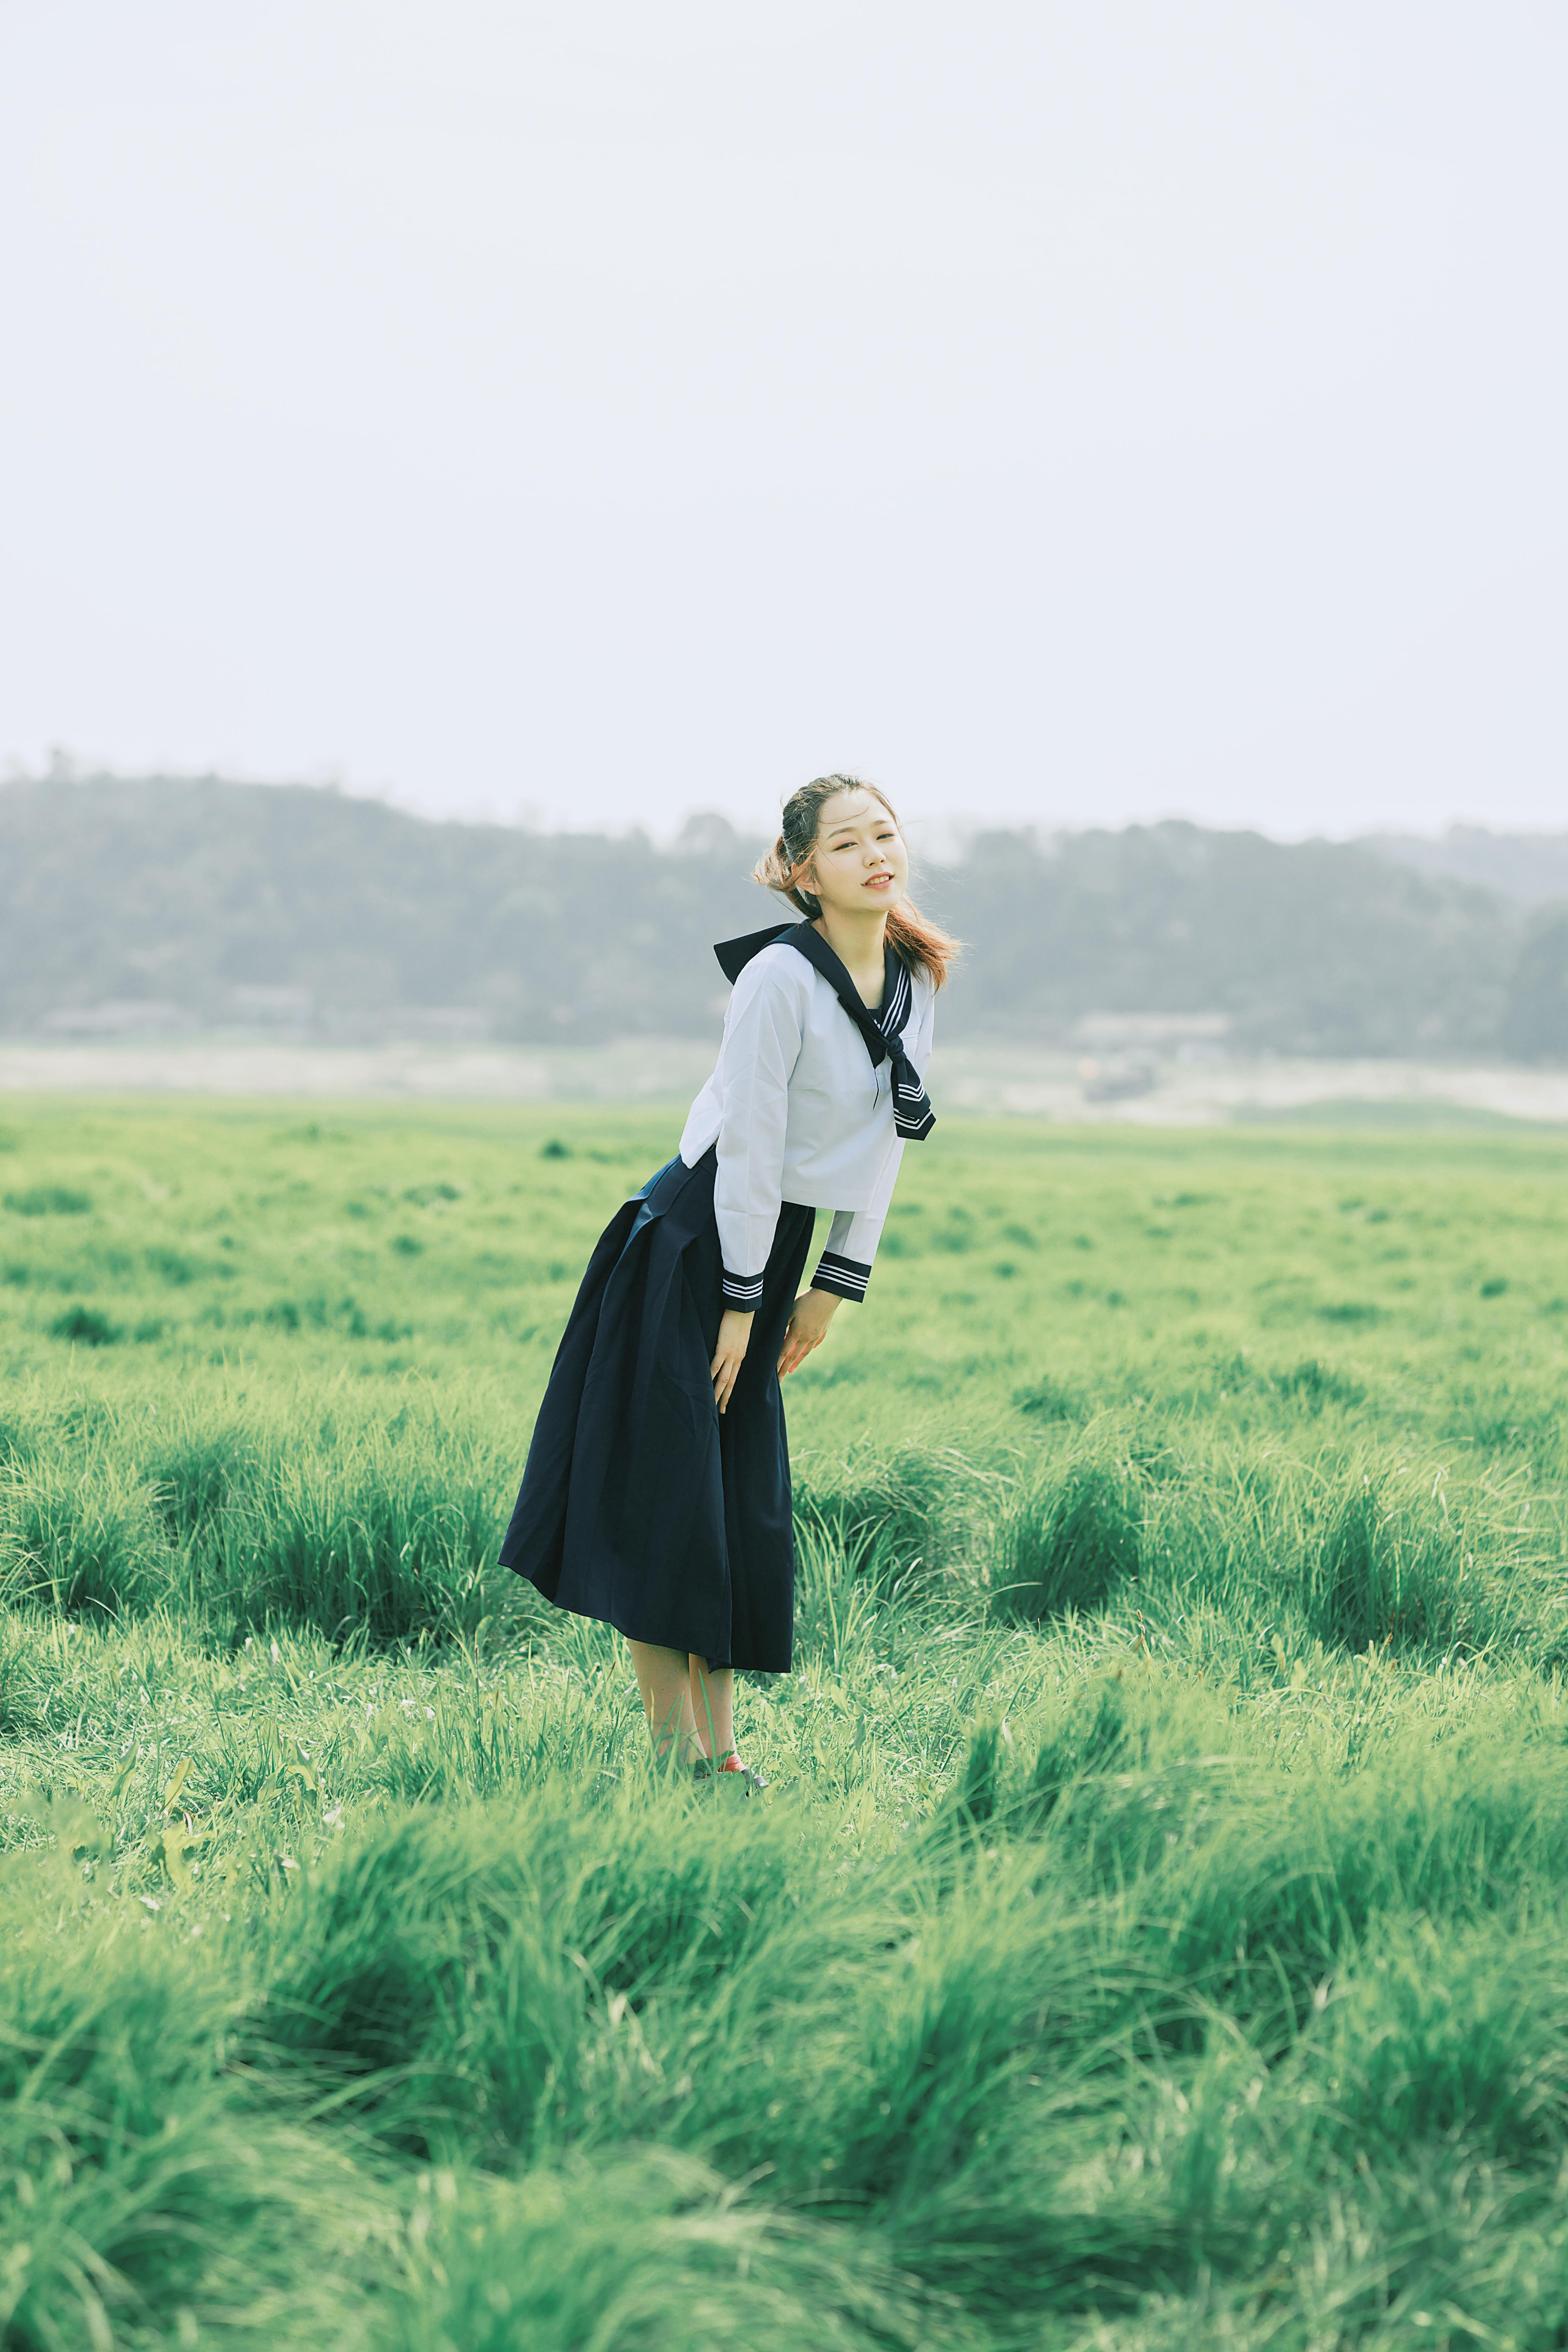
x=774, y=989
x=776, y=971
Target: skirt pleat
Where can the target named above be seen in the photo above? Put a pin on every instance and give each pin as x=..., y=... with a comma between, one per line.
x=641, y=1505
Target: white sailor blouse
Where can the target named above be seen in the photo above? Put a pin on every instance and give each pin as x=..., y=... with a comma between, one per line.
x=799, y=1113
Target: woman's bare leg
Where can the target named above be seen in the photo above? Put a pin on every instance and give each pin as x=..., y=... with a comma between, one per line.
x=713, y=1702
x=665, y=1685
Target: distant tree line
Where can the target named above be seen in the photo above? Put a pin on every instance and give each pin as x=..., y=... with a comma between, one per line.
x=289, y=908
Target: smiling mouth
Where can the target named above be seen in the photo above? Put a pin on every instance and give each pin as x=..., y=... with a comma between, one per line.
x=873, y=879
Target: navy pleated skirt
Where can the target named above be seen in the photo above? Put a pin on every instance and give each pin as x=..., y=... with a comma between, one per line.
x=641, y=1505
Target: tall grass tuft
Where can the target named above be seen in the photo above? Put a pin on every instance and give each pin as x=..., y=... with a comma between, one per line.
x=648, y=2249
x=374, y=1537
x=912, y=1512
x=83, y=1541
x=1069, y=1535
x=1388, y=1561
x=144, y=2193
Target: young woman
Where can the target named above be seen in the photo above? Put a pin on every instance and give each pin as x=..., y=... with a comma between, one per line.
x=657, y=1493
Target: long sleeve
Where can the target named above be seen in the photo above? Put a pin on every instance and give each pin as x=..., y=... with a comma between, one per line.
x=762, y=1041
x=845, y=1266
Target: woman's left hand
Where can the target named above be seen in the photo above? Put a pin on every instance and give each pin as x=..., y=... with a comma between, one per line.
x=812, y=1314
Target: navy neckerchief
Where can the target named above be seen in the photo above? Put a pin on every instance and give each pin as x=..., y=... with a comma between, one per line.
x=913, y=1117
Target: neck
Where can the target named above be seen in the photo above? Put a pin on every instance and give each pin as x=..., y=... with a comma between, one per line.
x=856, y=939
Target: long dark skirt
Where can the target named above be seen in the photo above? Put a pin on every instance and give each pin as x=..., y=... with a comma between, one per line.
x=641, y=1505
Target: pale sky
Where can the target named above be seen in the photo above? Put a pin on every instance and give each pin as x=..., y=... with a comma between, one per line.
x=1062, y=413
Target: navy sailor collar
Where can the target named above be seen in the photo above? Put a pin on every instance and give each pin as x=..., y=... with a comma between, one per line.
x=882, y=1031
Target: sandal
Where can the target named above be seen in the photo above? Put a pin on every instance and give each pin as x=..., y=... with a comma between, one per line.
x=730, y=1769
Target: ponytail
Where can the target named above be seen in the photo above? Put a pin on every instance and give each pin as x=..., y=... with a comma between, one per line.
x=918, y=942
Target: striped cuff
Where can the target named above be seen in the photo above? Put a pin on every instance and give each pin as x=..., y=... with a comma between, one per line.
x=742, y=1290
x=844, y=1275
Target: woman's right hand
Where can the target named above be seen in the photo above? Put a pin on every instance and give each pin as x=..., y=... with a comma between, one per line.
x=809, y=1317
x=734, y=1338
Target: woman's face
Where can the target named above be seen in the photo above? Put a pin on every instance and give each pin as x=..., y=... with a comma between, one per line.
x=859, y=860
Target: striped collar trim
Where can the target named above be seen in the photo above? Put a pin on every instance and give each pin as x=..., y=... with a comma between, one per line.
x=895, y=1011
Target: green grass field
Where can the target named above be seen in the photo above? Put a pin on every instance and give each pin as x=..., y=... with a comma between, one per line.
x=1153, y=1936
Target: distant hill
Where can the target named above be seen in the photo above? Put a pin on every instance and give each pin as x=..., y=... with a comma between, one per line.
x=1530, y=867
x=1310, y=948
x=288, y=906
x=164, y=902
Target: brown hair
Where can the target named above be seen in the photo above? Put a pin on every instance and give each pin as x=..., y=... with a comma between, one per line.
x=918, y=942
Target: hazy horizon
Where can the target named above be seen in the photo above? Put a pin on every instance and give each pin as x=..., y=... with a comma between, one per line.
x=1067, y=417
x=943, y=830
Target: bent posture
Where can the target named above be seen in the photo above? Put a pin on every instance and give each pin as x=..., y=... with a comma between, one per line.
x=657, y=1492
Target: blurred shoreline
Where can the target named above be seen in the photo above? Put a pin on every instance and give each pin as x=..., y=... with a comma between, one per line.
x=992, y=1079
